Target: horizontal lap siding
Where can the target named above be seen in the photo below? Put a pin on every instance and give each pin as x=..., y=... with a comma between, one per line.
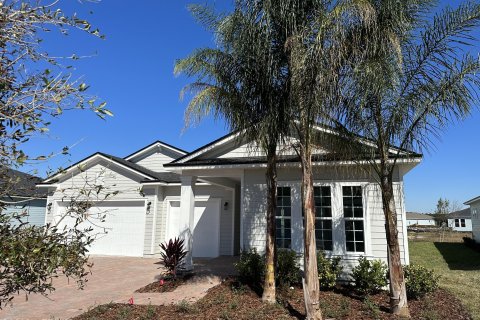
x=254, y=202
x=34, y=210
x=155, y=161
x=226, y=216
x=476, y=220
x=114, y=179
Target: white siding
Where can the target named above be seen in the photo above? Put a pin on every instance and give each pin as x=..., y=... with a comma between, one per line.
x=467, y=228
x=242, y=149
x=254, y=209
x=475, y=210
x=155, y=161
x=421, y=222
x=226, y=216
x=113, y=179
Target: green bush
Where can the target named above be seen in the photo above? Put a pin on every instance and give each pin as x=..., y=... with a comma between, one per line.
x=287, y=270
x=328, y=270
x=419, y=281
x=369, y=276
x=251, y=267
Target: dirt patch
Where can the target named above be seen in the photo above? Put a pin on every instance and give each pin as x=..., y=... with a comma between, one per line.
x=166, y=284
x=231, y=300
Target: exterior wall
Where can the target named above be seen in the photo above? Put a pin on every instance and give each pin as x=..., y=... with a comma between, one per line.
x=113, y=179
x=421, y=222
x=226, y=216
x=155, y=161
x=467, y=228
x=254, y=208
x=34, y=210
x=475, y=210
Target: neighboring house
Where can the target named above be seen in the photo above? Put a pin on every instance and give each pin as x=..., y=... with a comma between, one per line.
x=217, y=195
x=419, y=219
x=475, y=214
x=460, y=220
x=23, y=198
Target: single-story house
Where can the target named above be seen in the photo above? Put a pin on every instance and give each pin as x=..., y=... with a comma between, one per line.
x=215, y=197
x=460, y=220
x=419, y=219
x=23, y=198
x=475, y=216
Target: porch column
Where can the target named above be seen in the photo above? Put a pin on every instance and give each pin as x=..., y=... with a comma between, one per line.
x=187, y=207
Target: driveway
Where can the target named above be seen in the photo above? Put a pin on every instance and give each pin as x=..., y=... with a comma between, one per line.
x=114, y=279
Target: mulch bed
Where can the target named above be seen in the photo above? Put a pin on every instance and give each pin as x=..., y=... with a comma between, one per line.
x=169, y=284
x=231, y=300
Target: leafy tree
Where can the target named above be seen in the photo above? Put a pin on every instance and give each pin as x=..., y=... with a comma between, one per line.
x=411, y=75
x=34, y=89
x=243, y=81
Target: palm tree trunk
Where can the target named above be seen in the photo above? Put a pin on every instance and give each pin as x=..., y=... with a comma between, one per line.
x=271, y=177
x=398, y=292
x=311, y=284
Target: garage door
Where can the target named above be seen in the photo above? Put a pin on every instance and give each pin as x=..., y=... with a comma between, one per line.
x=122, y=232
x=206, y=234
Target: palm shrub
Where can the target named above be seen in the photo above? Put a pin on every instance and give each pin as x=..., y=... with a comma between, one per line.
x=172, y=255
x=287, y=268
x=419, y=281
x=370, y=276
x=328, y=270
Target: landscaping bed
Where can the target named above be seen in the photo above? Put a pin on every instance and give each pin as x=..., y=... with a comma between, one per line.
x=166, y=284
x=231, y=300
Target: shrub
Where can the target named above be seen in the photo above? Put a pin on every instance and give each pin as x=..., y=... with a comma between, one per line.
x=419, y=281
x=369, y=276
x=251, y=267
x=287, y=270
x=328, y=270
x=173, y=255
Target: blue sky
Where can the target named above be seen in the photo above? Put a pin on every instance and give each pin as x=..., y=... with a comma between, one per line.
x=132, y=70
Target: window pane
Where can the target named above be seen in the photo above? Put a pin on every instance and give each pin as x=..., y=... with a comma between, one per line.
x=283, y=221
x=351, y=246
x=358, y=212
x=347, y=191
x=348, y=212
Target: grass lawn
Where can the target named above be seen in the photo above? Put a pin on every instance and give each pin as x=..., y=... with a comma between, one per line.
x=458, y=266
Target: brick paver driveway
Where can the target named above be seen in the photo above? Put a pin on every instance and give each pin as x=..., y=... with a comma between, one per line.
x=114, y=279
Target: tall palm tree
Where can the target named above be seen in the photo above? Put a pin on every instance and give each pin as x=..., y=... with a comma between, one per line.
x=243, y=82
x=410, y=76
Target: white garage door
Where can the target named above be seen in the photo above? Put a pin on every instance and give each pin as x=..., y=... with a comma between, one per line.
x=122, y=232
x=206, y=234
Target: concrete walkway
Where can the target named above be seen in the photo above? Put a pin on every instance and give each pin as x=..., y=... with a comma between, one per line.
x=114, y=279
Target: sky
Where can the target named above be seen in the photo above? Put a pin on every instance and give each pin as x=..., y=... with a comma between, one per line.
x=132, y=70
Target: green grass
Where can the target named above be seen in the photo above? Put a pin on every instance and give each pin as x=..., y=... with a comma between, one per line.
x=458, y=266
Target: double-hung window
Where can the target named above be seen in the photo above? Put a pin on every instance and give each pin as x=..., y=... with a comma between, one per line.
x=462, y=223
x=354, y=219
x=323, y=217
x=283, y=218
x=457, y=223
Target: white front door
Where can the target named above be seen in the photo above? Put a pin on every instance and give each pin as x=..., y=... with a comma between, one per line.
x=122, y=232
x=206, y=232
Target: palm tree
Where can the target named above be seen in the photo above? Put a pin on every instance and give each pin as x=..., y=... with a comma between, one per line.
x=243, y=82
x=410, y=76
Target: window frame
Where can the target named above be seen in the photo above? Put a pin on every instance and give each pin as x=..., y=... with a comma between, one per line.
x=283, y=217
x=331, y=218
x=353, y=218
x=463, y=223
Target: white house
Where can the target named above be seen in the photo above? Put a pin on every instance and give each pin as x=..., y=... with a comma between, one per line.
x=215, y=197
x=460, y=220
x=419, y=219
x=475, y=214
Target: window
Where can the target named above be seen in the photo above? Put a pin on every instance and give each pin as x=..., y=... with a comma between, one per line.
x=462, y=223
x=283, y=218
x=323, y=217
x=457, y=223
x=353, y=215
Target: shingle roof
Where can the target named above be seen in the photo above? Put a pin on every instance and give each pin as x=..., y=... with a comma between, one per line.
x=464, y=213
x=21, y=184
x=418, y=216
